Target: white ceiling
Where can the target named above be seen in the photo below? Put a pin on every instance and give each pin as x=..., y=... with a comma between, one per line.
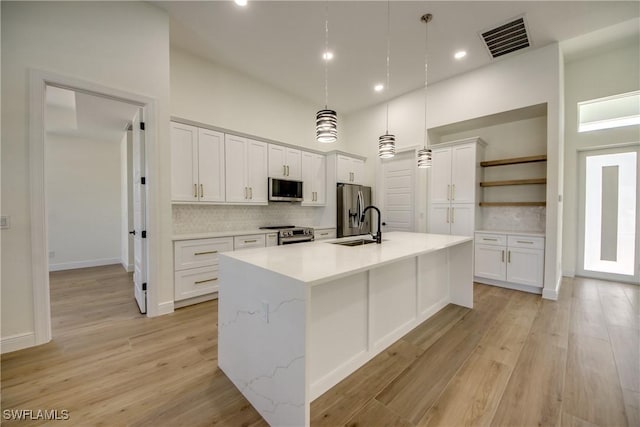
x=81, y=115
x=280, y=42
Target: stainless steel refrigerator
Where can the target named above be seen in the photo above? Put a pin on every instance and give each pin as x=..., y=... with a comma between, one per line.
x=352, y=199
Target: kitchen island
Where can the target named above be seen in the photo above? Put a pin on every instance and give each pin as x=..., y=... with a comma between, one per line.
x=295, y=320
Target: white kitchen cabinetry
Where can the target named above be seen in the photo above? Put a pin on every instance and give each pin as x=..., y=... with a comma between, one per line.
x=314, y=178
x=196, y=266
x=271, y=239
x=350, y=170
x=246, y=170
x=284, y=162
x=510, y=260
x=324, y=233
x=453, y=179
x=198, y=169
x=249, y=241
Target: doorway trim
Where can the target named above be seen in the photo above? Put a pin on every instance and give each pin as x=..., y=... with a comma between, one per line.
x=38, y=80
x=580, y=224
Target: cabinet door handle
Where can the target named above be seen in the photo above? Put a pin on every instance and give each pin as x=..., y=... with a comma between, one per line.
x=206, y=253
x=251, y=241
x=201, y=190
x=246, y=193
x=448, y=215
x=287, y=170
x=502, y=256
x=509, y=256
x=284, y=170
x=524, y=241
x=448, y=191
x=453, y=210
x=198, y=282
x=195, y=190
x=453, y=192
x=251, y=192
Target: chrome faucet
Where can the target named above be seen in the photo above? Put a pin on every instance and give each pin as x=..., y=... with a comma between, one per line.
x=378, y=235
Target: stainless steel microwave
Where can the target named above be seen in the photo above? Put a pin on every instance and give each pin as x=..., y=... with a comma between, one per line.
x=283, y=190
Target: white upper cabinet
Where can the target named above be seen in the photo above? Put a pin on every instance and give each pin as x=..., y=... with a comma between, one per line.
x=198, y=172
x=246, y=166
x=211, y=166
x=463, y=173
x=284, y=162
x=350, y=170
x=440, y=179
x=314, y=177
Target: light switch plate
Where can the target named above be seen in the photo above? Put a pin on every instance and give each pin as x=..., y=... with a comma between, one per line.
x=5, y=222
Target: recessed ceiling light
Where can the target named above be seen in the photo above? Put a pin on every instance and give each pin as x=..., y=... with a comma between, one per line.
x=460, y=54
x=378, y=87
x=328, y=55
x=241, y=2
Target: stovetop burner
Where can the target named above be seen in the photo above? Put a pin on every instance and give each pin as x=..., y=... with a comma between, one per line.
x=277, y=227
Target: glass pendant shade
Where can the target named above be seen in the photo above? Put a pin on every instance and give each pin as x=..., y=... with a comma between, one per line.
x=326, y=126
x=424, y=158
x=386, y=146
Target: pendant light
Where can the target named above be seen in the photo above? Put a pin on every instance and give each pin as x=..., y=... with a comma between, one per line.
x=387, y=142
x=424, y=154
x=326, y=119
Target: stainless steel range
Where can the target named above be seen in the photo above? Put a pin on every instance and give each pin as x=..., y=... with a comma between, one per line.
x=288, y=234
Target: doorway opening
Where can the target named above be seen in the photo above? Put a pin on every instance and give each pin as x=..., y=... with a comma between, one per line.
x=608, y=216
x=95, y=208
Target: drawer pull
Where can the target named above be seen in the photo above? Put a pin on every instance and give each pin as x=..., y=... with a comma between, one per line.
x=502, y=256
x=491, y=240
x=509, y=257
x=206, y=253
x=524, y=241
x=324, y=234
x=199, y=282
x=250, y=241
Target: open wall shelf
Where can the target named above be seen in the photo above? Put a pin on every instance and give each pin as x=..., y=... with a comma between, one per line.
x=514, y=182
x=514, y=161
x=500, y=204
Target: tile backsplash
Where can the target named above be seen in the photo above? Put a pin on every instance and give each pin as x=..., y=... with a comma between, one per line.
x=514, y=218
x=189, y=219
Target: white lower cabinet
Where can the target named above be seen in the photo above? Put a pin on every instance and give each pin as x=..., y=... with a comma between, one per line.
x=457, y=219
x=196, y=266
x=249, y=241
x=509, y=259
x=324, y=234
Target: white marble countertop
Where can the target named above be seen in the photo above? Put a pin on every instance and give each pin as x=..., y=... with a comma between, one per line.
x=515, y=233
x=319, y=262
x=213, y=234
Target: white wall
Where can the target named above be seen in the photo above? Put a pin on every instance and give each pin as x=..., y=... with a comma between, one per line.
x=123, y=45
x=211, y=94
x=612, y=71
x=84, y=206
x=523, y=80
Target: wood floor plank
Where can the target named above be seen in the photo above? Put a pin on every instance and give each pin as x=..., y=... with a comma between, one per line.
x=472, y=396
x=340, y=403
x=632, y=406
x=569, y=420
x=438, y=325
x=587, y=319
x=376, y=414
x=625, y=343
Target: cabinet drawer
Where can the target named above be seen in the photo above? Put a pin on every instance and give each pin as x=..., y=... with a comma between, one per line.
x=195, y=282
x=271, y=239
x=200, y=252
x=525, y=242
x=324, y=233
x=250, y=241
x=491, y=239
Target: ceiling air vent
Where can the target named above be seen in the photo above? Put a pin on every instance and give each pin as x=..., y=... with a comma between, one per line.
x=506, y=38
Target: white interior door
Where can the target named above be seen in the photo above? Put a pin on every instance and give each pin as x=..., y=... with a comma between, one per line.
x=139, y=215
x=608, y=216
x=398, y=183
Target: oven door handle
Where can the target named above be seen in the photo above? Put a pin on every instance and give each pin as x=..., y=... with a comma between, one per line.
x=300, y=239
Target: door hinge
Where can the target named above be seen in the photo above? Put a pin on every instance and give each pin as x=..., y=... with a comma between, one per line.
x=143, y=180
x=144, y=286
x=144, y=234
x=141, y=125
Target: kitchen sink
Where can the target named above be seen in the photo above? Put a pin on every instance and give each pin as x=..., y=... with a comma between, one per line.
x=359, y=242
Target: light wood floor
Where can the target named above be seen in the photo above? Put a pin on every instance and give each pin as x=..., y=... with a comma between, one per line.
x=513, y=360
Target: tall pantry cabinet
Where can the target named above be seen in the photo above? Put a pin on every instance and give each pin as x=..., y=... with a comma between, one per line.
x=454, y=187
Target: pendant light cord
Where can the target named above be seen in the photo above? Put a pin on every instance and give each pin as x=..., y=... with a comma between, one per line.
x=326, y=53
x=426, y=44
x=388, y=55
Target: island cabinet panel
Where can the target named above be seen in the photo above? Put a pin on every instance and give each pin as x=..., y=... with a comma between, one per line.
x=341, y=329
x=393, y=301
x=433, y=290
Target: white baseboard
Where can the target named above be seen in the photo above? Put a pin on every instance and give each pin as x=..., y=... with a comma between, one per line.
x=552, y=294
x=195, y=300
x=127, y=267
x=507, y=285
x=569, y=273
x=83, y=264
x=17, y=342
x=165, y=308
